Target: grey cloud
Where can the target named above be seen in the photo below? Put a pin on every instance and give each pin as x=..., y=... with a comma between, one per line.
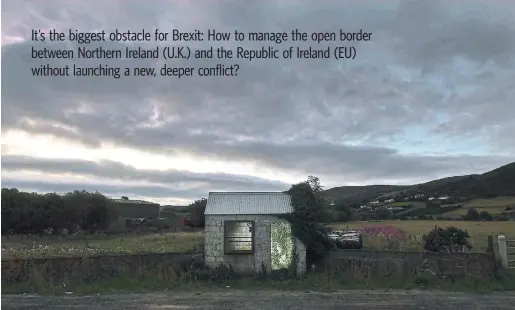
x=110, y=190
x=439, y=31
x=369, y=165
x=174, y=183
x=431, y=64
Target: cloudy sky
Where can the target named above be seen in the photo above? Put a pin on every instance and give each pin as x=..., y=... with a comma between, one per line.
x=432, y=95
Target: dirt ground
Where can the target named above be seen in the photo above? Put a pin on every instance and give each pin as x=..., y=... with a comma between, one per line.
x=266, y=300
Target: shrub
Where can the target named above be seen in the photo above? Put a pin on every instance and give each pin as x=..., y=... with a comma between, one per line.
x=448, y=240
x=472, y=215
x=485, y=216
x=501, y=218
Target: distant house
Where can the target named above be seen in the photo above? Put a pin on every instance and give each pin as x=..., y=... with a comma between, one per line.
x=443, y=197
x=375, y=202
x=431, y=198
x=243, y=230
x=417, y=196
x=389, y=200
x=131, y=209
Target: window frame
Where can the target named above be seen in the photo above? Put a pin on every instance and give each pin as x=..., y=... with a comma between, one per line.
x=253, y=239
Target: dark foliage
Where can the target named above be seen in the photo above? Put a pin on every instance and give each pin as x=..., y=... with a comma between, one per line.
x=472, y=215
x=485, y=216
x=448, y=240
x=32, y=213
x=196, y=216
x=340, y=213
x=382, y=213
x=309, y=211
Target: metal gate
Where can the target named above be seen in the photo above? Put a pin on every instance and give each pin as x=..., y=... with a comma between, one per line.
x=510, y=252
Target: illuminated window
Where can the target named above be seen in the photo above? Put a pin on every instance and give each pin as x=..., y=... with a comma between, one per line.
x=239, y=237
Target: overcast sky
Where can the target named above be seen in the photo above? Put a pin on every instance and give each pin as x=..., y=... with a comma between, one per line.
x=432, y=95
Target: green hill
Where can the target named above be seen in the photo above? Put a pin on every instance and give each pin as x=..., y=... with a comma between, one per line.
x=498, y=182
x=357, y=194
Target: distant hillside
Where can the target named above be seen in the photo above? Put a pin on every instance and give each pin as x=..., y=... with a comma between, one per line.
x=356, y=194
x=498, y=182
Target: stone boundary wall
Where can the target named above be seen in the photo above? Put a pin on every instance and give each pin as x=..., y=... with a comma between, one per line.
x=94, y=267
x=353, y=263
x=383, y=263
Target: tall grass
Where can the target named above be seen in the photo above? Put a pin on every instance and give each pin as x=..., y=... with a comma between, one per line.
x=354, y=276
x=42, y=247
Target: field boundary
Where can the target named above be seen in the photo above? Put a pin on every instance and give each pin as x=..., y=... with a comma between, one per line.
x=98, y=256
x=95, y=267
x=384, y=263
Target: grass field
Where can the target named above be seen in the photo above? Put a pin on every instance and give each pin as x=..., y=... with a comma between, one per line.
x=22, y=246
x=478, y=231
x=493, y=206
x=415, y=204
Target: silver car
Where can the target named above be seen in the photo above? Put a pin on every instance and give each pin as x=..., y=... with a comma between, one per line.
x=350, y=239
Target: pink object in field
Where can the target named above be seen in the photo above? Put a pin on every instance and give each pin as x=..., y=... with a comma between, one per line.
x=386, y=230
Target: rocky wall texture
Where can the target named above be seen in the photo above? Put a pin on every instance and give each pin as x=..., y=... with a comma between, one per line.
x=91, y=268
x=383, y=263
x=262, y=256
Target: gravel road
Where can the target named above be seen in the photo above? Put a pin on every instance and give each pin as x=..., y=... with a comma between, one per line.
x=266, y=300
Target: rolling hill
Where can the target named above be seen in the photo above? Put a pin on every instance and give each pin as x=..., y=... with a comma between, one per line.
x=498, y=182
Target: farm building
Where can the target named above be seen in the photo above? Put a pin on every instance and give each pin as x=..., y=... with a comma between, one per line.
x=136, y=208
x=243, y=230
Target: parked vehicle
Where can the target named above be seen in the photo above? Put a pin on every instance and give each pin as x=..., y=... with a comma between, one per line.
x=351, y=239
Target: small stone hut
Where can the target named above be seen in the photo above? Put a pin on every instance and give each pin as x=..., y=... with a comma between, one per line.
x=243, y=230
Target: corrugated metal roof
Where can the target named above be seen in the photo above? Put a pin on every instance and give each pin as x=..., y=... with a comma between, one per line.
x=248, y=203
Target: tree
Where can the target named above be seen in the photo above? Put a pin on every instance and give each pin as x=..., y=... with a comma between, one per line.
x=308, y=213
x=196, y=212
x=125, y=198
x=342, y=213
x=382, y=213
x=472, y=215
x=32, y=213
x=314, y=183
